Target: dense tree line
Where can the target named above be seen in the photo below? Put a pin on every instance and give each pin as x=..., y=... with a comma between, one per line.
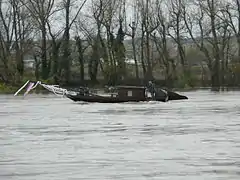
x=165, y=37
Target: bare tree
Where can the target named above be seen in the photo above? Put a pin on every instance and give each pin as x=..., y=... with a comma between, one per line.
x=177, y=30
x=81, y=49
x=133, y=42
x=209, y=42
x=148, y=26
x=108, y=23
x=6, y=38
x=87, y=42
x=54, y=52
x=225, y=37
x=14, y=37
x=107, y=18
x=99, y=49
x=133, y=26
x=119, y=50
x=40, y=11
x=161, y=40
x=232, y=9
x=66, y=58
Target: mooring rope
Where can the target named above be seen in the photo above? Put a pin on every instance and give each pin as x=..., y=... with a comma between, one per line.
x=56, y=90
x=52, y=88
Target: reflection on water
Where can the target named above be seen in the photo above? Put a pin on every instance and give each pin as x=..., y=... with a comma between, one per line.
x=47, y=137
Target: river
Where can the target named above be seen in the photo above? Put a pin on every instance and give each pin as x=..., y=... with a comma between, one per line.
x=44, y=137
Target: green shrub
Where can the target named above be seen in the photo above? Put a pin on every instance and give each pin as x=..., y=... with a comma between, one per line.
x=7, y=89
x=186, y=81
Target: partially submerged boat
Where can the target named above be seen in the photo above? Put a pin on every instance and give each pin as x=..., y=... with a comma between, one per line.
x=118, y=94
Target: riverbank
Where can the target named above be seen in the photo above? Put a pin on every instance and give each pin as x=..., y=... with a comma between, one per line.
x=7, y=89
x=11, y=89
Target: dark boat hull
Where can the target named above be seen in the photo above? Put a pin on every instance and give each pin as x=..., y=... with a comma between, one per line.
x=108, y=99
x=175, y=96
x=104, y=99
x=166, y=95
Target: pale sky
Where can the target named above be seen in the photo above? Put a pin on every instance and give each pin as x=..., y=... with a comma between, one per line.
x=57, y=19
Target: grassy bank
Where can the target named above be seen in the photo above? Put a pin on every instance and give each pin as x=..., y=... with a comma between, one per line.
x=182, y=83
x=12, y=89
x=7, y=89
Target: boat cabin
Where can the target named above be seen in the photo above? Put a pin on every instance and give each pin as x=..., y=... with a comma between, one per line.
x=134, y=92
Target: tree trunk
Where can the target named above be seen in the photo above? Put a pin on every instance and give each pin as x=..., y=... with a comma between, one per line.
x=149, y=74
x=66, y=44
x=238, y=42
x=80, y=57
x=94, y=60
x=135, y=57
x=142, y=52
x=44, y=72
x=18, y=56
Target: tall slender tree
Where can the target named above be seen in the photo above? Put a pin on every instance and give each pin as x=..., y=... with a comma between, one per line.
x=66, y=45
x=40, y=11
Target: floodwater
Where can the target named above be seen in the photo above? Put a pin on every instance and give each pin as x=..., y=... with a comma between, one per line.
x=44, y=137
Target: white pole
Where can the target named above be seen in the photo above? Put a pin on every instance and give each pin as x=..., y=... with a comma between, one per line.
x=35, y=85
x=21, y=88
